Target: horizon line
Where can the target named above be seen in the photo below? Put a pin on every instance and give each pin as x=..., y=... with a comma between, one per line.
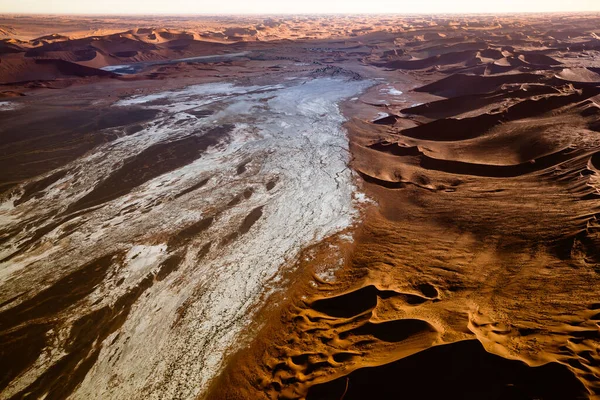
x=141, y=14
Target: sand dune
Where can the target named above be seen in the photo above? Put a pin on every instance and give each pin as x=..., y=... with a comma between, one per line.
x=29, y=70
x=134, y=46
x=480, y=248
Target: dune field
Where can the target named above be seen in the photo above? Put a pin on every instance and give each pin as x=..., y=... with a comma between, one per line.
x=308, y=207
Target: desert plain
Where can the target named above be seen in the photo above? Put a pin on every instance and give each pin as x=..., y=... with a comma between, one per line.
x=300, y=207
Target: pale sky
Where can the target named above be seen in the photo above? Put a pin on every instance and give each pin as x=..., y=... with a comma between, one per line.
x=291, y=6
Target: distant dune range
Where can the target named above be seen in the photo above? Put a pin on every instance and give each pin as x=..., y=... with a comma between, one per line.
x=78, y=46
x=56, y=56
x=471, y=269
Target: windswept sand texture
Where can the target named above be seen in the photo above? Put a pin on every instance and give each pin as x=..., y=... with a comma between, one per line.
x=484, y=229
x=342, y=208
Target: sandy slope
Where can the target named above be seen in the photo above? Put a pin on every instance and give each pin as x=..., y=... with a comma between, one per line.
x=484, y=229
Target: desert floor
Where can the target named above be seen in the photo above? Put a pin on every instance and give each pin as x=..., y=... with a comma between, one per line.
x=309, y=207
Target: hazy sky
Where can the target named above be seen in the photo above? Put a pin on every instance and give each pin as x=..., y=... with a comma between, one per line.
x=292, y=6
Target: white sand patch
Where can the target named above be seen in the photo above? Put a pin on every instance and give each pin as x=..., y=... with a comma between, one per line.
x=395, y=92
x=141, y=257
x=380, y=115
x=9, y=106
x=362, y=199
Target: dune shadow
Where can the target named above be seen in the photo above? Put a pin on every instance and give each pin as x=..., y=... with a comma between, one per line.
x=462, y=370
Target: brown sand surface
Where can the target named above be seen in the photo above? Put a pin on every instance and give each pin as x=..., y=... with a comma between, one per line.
x=471, y=271
x=483, y=229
